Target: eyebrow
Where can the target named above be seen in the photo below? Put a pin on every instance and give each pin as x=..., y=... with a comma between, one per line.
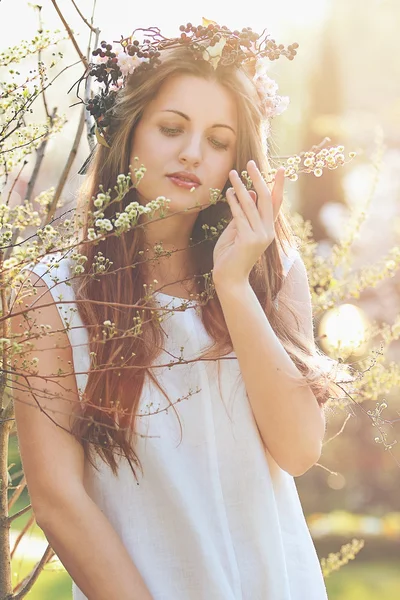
x=178, y=112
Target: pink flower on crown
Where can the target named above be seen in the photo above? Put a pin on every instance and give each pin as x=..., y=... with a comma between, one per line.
x=128, y=63
x=116, y=86
x=265, y=85
x=274, y=105
x=267, y=88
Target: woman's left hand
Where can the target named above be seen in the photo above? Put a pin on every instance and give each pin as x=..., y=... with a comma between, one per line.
x=252, y=228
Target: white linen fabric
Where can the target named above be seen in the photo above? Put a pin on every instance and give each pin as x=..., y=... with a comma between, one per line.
x=214, y=517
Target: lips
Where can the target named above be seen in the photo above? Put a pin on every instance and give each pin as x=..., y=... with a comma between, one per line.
x=185, y=176
x=189, y=185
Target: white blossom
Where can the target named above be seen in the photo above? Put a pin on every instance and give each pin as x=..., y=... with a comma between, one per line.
x=282, y=104
x=104, y=224
x=132, y=207
x=265, y=85
x=10, y=262
x=267, y=89
x=262, y=65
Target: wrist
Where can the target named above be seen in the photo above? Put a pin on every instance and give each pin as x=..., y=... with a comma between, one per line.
x=225, y=287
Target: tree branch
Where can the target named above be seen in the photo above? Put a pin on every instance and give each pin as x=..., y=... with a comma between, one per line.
x=21, y=534
x=17, y=492
x=67, y=168
x=94, y=29
x=19, y=513
x=71, y=35
x=28, y=582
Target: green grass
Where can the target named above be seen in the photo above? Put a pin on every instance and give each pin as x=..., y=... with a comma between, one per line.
x=365, y=581
x=54, y=583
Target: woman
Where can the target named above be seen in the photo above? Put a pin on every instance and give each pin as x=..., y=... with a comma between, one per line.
x=177, y=482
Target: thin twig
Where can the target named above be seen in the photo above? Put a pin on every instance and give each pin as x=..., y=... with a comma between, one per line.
x=88, y=118
x=339, y=432
x=15, y=181
x=19, y=513
x=18, y=491
x=94, y=29
x=25, y=143
x=326, y=469
x=40, y=60
x=71, y=35
x=39, y=158
x=28, y=582
x=6, y=333
x=5, y=171
x=21, y=534
x=314, y=148
x=24, y=109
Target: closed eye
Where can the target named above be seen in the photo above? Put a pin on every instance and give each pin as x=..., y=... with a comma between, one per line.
x=175, y=131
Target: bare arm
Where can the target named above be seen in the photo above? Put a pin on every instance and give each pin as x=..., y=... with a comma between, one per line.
x=91, y=550
x=290, y=421
x=53, y=461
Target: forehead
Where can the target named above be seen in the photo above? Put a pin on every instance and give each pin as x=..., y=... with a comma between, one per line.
x=196, y=97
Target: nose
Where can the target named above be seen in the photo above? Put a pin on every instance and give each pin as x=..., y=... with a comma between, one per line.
x=191, y=151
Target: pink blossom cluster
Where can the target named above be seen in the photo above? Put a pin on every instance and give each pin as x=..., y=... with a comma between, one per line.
x=126, y=63
x=267, y=88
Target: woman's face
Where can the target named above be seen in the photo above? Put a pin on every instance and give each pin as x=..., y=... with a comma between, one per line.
x=189, y=127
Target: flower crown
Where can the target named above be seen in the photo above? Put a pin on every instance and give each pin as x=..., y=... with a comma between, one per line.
x=219, y=46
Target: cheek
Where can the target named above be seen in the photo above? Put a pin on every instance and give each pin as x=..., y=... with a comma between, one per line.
x=220, y=170
x=159, y=148
x=144, y=142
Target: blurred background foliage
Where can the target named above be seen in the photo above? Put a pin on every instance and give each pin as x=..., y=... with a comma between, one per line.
x=344, y=84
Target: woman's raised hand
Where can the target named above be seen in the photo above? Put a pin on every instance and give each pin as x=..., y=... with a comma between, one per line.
x=252, y=228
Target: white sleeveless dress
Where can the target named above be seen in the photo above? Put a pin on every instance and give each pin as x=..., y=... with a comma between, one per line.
x=214, y=517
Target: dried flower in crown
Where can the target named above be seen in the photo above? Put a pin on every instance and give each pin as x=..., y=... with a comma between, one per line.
x=221, y=47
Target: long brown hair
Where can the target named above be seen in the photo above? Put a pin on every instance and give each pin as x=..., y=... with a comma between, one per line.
x=120, y=389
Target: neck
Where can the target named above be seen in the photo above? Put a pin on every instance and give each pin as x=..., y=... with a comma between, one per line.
x=167, y=255
x=174, y=270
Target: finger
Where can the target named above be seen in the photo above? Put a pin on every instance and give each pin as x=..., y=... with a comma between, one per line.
x=279, y=182
x=264, y=203
x=247, y=203
x=277, y=191
x=241, y=220
x=257, y=178
x=253, y=196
